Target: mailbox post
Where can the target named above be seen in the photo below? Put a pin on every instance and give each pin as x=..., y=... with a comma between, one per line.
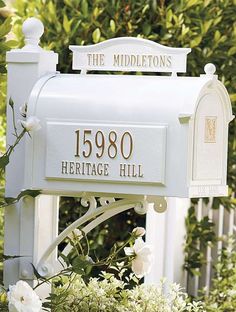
x=136, y=138
x=24, y=219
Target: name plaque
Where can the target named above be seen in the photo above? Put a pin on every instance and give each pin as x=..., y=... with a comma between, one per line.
x=106, y=152
x=129, y=54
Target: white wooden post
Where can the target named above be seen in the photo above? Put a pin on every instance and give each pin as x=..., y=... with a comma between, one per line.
x=166, y=232
x=25, y=67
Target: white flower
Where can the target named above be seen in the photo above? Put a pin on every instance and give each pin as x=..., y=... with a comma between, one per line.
x=31, y=124
x=139, y=231
x=143, y=258
x=22, y=298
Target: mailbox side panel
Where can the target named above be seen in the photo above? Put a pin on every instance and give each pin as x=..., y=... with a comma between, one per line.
x=210, y=131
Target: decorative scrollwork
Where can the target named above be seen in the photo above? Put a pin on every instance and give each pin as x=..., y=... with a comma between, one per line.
x=108, y=207
x=89, y=202
x=141, y=206
x=160, y=204
x=106, y=200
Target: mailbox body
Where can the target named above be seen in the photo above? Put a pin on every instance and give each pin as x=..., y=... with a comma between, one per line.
x=149, y=135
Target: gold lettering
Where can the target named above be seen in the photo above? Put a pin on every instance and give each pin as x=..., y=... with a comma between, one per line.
x=210, y=129
x=155, y=60
x=122, y=60
x=93, y=170
x=149, y=60
x=116, y=60
x=99, y=169
x=89, y=59
x=138, y=61
x=64, y=167
x=88, y=165
x=144, y=60
x=169, y=61
x=106, y=167
x=102, y=63
x=122, y=170
x=140, y=174
x=127, y=60
x=133, y=60
x=134, y=174
x=162, y=60
x=83, y=165
x=77, y=168
x=96, y=59
x=72, y=166
x=129, y=170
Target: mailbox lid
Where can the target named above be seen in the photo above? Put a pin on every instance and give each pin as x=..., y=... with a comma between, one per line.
x=120, y=97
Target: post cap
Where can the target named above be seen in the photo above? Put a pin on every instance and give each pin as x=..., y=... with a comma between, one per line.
x=32, y=29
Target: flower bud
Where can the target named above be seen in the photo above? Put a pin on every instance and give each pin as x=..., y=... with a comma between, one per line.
x=139, y=231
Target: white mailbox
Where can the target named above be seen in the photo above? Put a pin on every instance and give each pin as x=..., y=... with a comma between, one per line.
x=126, y=134
x=139, y=138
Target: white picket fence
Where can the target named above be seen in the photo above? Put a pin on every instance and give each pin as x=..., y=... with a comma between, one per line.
x=224, y=221
x=166, y=232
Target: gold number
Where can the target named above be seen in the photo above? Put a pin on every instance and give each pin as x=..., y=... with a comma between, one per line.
x=77, y=144
x=100, y=145
x=112, y=140
x=126, y=134
x=89, y=143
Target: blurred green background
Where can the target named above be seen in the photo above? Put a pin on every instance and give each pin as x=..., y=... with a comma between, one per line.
x=206, y=26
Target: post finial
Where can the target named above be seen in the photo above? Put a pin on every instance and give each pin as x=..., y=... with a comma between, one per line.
x=209, y=69
x=32, y=29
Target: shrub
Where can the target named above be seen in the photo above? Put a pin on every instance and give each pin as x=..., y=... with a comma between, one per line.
x=222, y=296
x=108, y=294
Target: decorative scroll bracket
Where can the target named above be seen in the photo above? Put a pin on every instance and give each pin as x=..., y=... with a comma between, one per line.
x=96, y=215
x=129, y=54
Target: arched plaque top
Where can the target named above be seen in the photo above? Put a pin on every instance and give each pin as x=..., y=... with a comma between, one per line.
x=130, y=54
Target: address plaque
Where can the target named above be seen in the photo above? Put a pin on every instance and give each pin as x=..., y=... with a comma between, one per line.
x=106, y=152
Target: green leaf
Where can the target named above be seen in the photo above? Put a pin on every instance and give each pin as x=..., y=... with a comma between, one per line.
x=65, y=258
x=96, y=35
x=191, y=3
x=112, y=25
x=169, y=16
x=32, y=193
x=51, y=8
x=11, y=43
x=4, y=161
x=217, y=35
x=80, y=263
x=147, y=28
x=206, y=25
x=2, y=4
x=145, y=9
x=195, y=42
x=11, y=103
x=85, y=8
x=66, y=24
x=5, y=27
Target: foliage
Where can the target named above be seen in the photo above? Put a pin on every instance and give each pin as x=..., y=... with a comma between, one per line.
x=109, y=294
x=5, y=45
x=208, y=27
x=222, y=297
x=198, y=233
